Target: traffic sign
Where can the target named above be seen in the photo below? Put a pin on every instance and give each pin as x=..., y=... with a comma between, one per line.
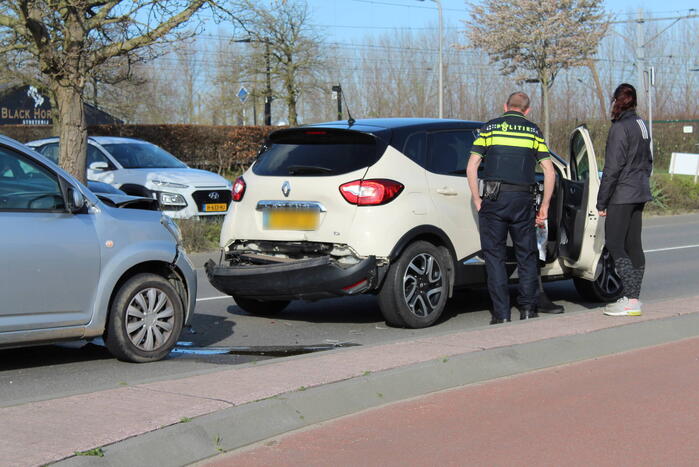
x=243, y=94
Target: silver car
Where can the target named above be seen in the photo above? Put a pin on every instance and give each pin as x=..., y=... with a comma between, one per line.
x=77, y=266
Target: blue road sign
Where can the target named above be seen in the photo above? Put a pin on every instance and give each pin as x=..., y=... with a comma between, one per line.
x=243, y=94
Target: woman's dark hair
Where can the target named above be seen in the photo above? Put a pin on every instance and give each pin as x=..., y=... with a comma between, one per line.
x=624, y=99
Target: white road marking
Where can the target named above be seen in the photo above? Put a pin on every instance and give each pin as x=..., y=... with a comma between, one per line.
x=671, y=248
x=219, y=297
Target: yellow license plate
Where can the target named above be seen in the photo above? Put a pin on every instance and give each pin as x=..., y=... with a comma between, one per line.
x=215, y=207
x=291, y=220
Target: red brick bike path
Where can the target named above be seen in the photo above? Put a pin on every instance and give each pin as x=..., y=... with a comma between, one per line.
x=638, y=408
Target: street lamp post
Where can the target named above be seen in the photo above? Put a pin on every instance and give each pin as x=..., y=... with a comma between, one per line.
x=441, y=67
x=268, y=73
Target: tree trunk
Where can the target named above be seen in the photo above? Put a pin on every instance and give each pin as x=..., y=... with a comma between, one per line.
x=291, y=106
x=72, y=131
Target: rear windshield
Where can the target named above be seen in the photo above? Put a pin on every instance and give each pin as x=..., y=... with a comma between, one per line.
x=317, y=153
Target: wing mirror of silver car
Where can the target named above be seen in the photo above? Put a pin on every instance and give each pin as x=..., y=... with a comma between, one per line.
x=76, y=200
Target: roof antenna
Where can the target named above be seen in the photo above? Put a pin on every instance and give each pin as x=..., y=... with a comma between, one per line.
x=341, y=97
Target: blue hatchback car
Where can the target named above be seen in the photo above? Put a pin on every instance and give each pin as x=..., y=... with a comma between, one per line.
x=79, y=265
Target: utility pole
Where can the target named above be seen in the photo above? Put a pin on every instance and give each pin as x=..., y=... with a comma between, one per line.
x=651, y=84
x=337, y=90
x=640, y=57
x=441, y=60
x=268, y=78
x=268, y=90
x=441, y=64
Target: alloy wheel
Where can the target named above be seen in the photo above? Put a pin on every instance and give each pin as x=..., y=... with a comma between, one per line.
x=149, y=319
x=422, y=285
x=608, y=281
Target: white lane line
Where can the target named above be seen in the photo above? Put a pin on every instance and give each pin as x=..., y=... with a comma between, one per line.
x=219, y=297
x=671, y=248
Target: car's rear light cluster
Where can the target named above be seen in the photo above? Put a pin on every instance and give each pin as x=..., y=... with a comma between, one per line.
x=371, y=192
x=238, y=189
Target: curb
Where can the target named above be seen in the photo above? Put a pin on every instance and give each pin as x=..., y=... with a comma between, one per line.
x=231, y=428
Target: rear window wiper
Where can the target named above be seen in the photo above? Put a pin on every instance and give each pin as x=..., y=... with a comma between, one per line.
x=458, y=172
x=308, y=169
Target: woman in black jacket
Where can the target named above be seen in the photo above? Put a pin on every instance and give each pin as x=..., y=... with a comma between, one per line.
x=623, y=192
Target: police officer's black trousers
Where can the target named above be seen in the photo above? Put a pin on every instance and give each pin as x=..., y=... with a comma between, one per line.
x=513, y=213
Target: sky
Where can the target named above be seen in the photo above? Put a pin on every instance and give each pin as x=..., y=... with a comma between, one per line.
x=354, y=20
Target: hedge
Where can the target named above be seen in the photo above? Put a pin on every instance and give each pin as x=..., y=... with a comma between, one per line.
x=218, y=148
x=232, y=148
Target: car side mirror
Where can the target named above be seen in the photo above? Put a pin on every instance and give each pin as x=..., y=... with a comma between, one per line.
x=98, y=166
x=76, y=200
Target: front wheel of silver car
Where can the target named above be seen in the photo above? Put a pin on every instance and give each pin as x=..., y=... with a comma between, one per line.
x=145, y=319
x=416, y=288
x=607, y=287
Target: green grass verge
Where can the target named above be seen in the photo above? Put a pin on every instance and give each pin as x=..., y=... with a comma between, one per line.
x=673, y=195
x=200, y=234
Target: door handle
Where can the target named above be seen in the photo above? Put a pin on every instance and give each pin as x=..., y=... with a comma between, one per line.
x=447, y=191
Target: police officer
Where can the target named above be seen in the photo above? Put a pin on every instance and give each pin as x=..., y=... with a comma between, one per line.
x=510, y=146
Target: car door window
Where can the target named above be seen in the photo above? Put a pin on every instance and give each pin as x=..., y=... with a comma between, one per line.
x=95, y=155
x=50, y=151
x=579, y=159
x=26, y=185
x=415, y=147
x=449, y=152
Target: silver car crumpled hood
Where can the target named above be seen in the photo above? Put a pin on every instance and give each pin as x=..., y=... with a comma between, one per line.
x=129, y=202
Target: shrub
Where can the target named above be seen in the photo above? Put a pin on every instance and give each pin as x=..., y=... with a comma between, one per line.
x=200, y=234
x=677, y=194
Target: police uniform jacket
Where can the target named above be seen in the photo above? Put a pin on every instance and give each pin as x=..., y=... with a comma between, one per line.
x=510, y=146
x=628, y=163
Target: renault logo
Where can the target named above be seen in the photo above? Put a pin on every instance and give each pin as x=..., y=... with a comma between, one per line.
x=286, y=188
x=213, y=195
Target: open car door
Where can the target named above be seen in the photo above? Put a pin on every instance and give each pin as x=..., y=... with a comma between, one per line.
x=582, y=235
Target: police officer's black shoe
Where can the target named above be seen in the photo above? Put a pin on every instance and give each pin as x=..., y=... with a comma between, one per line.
x=545, y=305
x=500, y=320
x=528, y=312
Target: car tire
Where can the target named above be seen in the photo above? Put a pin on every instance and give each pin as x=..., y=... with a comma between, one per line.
x=607, y=287
x=259, y=307
x=416, y=287
x=145, y=319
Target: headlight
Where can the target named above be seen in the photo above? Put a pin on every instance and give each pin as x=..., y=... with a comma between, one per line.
x=169, y=184
x=171, y=199
x=172, y=227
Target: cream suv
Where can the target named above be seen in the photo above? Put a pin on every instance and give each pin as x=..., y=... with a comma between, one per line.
x=382, y=206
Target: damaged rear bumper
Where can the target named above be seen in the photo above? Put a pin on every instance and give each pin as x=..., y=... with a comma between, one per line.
x=308, y=279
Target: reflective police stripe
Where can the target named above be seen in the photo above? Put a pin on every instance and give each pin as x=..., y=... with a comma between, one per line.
x=513, y=142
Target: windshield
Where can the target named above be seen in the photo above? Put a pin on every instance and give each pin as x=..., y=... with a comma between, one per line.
x=139, y=155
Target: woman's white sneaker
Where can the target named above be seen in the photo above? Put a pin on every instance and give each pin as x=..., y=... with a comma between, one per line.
x=624, y=307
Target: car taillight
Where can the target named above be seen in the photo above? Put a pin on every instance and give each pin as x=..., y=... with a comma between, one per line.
x=238, y=189
x=370, y=192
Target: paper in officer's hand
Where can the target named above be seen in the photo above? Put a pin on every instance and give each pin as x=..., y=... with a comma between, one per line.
x=542, y=233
